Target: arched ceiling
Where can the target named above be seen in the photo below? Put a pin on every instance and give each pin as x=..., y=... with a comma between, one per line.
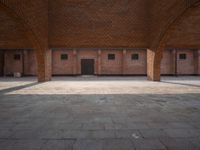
x=165, y=15
x=186, y=33
x=98, y=23
x=33, y=16
x=12, y=34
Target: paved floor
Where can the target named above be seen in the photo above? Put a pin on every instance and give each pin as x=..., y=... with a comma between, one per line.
x=100, y=113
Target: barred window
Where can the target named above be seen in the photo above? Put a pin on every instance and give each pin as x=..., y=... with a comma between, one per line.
x=111, y=56
x=64, y=56
x=17, y=57
x=135, y=56
x=182, y=56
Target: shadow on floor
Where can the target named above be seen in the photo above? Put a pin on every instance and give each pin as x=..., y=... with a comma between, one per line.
x=178, y=83
x=3, y=91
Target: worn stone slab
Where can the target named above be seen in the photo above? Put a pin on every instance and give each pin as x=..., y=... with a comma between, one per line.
x=148, y=144
x=118, y=144
x=179, y=143
x=182, y=133
x=113, y=110
x=7, y=144
x=88, y=144
x=28, y=144
x=153, y=133
x=58, y=145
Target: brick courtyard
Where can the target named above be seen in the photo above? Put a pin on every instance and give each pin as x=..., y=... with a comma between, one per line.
x=100, y=113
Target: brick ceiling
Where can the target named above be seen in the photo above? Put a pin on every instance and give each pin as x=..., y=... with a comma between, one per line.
x=97, y=23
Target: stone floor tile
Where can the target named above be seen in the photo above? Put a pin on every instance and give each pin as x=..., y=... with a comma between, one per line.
x=58, y=145
x=132, y=134
x=152, y=133
x=180, y=125
x=93, y=126
x=28, y=145
x=179, y=144
x=76, y=134
x=148, y=144
x=118, y=144
x=182, y=133
x=25, y=134
x=102, y=134
x=87, y=144
x=5, y=133
x=7, y=144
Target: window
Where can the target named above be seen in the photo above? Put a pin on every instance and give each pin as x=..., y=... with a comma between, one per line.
x=111, y=56
x=182, y=56
x=64, y=56
x=135, y=57
x=17, y=57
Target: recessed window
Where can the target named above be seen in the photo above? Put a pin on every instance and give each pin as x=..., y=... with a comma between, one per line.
x=64, y=56
x=111, y=56
x=182, y=56
x=17, y=57
x=135, y=56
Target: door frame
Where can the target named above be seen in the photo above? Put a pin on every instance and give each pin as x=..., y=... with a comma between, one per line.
x=92, y=65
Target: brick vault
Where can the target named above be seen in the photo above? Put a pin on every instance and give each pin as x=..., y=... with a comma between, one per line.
x=154, y=25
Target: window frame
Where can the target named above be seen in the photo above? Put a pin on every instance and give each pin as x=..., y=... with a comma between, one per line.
x=64, y=57
x=111, y=57
x=17, y=57
x=135, y=59
x=182, y=56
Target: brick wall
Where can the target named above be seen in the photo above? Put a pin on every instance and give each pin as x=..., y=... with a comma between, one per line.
x=62, y=67
x=185, y=67
x=185, y=33
x=12, y=34
x=166, y=64
x=111, y=67
x=12, y=65
x=123, y=63
x=1, y=62
x=135, y=67
x=27, y=65
x=98, y=23
x=198, y=62
x=30, y=63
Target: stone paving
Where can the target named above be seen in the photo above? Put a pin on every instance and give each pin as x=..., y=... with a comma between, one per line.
x=100, y=113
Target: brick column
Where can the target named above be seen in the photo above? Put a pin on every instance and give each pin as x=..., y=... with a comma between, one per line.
x=153, y=64
x=44, y=65
x=124, y=61
x=75, y=62
x=99, y=62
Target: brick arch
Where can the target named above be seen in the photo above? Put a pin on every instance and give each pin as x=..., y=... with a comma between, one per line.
x=34, y=41
x=155, y=52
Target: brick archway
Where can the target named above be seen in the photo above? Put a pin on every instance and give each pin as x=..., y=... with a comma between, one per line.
x=155, y=52
x=43, y=73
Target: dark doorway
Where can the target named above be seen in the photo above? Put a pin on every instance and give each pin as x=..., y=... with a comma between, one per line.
x=87, y=66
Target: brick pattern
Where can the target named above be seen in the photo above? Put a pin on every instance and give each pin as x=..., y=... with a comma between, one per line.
x=122, y=65
x=30, y=62
x=97, y=23
x=185, y=66
x=43, y=24
x=1, y=63
x=12, y=65
x=62, y=67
